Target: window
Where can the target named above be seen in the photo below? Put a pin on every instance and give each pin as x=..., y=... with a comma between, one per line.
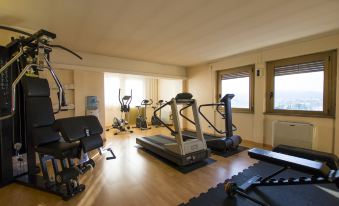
x=302, y=85
x=240, y=82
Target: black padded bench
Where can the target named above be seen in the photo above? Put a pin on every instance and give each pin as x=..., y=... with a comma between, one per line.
x=59, y=140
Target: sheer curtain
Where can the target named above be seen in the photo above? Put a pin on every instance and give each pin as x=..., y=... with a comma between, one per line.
x=142, y=88
x=137, y=85
x=151, y=86
x=112, y=105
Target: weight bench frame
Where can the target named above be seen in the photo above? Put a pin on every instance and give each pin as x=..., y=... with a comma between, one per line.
x=320, y=171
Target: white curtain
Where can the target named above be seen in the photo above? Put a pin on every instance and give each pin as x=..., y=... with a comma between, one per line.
x=142, y=88
x=112, y=105
x=151, y=93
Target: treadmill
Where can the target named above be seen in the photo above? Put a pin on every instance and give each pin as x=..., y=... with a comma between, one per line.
x=228, y=141
x=182, y=151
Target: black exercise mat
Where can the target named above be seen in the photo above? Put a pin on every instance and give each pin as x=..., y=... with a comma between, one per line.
x=300, y=195
x=230, y=152
x=182, y=169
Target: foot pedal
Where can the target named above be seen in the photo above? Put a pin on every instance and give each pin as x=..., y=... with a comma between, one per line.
x=86, y=166
x=66, y=175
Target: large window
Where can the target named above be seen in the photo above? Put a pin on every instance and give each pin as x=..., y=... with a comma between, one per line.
x=302, y=85
x=240, y=82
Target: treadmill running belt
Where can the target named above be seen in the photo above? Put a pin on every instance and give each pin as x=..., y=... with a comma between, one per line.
x=193, y=134
x=160, y=139
x=209, y=137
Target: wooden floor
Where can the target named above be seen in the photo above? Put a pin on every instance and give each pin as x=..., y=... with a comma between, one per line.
x=134, y=178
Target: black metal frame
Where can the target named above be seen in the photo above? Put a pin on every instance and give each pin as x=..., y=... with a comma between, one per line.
x=154, y=120
x=141, y=120
x=124, y=104
x=321, y=174
x=122, y=124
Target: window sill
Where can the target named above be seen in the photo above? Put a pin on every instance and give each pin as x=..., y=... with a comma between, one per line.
x=244, y=111
x=300, y=115
x=237, y=110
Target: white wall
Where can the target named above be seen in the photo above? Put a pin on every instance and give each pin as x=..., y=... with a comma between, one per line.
x=257, y=127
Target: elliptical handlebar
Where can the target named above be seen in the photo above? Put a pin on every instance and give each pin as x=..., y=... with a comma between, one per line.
x=120, y=101
x=130, y=100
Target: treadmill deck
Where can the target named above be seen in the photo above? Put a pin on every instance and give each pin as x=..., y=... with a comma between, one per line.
x=156, y=144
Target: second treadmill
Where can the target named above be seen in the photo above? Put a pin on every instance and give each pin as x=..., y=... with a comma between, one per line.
x=224, y=143
x=180, y=150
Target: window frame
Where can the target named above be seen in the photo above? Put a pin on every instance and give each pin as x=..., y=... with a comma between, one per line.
x=329, y=93
x=248, y=68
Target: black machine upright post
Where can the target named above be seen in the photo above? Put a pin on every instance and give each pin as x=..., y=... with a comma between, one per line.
x=11, y=128
x=226, y=100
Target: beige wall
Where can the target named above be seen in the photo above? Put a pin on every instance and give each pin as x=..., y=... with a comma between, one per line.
x=89, y=84
x=83, y=83
x=167, y=89
x=257, y=127
x=67, y=79
x=99, y=63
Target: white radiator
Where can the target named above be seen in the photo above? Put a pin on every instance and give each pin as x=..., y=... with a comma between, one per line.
x=293, y=134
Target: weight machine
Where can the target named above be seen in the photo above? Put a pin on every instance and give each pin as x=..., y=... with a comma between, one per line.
x=28, y=126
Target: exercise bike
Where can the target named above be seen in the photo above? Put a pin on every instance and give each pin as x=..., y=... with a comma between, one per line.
x=141, y=120
x=122, y=124
x=155, y=118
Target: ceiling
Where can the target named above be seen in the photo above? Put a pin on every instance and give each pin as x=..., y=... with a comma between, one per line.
x=177, y=32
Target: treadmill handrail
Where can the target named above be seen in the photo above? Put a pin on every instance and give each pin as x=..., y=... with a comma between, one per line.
x=207, y=120
x=234, y=128
x=185, y=117
x=156, y=116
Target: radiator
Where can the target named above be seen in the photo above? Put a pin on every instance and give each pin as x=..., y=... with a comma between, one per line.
x=293, y=134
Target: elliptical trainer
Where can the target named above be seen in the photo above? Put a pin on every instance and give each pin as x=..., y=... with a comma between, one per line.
x=141, y=120
x=122, y=124
x=155, y=119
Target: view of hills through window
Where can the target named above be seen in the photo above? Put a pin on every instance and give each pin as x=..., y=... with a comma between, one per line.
x=240, y=88
x=303, y=91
